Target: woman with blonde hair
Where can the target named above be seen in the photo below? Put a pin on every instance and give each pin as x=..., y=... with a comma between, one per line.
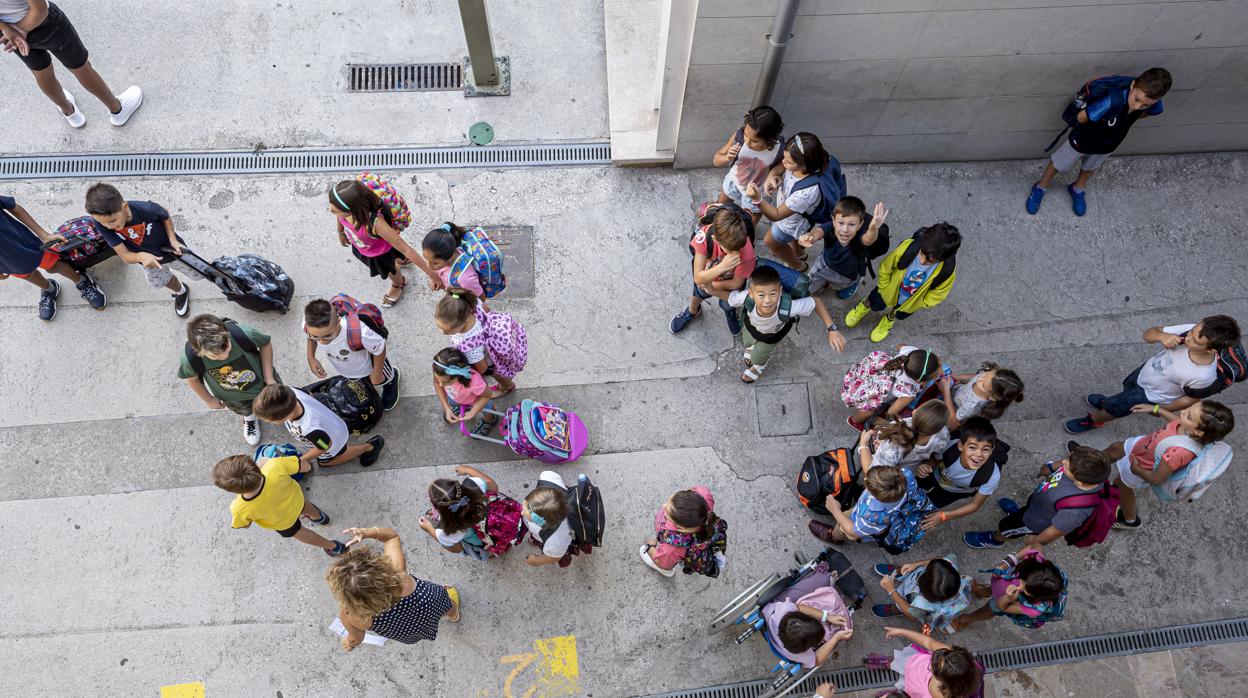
x=376, y=593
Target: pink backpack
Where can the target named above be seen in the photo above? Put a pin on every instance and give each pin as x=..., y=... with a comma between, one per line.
x=867, y=385
x=502, y=527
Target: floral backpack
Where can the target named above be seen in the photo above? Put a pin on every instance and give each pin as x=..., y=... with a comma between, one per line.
x=499, y=532
x=867, y=385
x=1049, y=610
x=904, y=522
x=389, y=196
x=701, y=556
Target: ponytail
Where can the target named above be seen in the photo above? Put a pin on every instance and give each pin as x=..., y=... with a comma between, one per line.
x=456, y=308
x=899, y=433
x=459, y=506
x=1006, y=388
x=443, y=242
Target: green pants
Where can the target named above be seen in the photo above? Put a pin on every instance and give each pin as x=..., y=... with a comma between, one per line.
x=759, y=351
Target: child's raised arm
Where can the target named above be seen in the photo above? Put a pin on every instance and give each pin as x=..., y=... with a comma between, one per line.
x=769, y=210
x=728, y=153
x=928, y=643
x=469, y=471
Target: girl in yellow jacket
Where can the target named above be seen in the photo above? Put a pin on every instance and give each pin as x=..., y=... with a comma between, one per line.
x=918, y=274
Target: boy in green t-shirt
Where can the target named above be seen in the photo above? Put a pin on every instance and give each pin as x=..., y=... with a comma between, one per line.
x=227, y=365
x=268, y=495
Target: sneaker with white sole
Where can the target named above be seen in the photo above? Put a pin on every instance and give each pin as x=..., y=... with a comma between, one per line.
x=251, y=430
x=182, y=301
x=77, y=119
x=649, y=562
x=130, y=100
x=47, y=300
x=92, y=293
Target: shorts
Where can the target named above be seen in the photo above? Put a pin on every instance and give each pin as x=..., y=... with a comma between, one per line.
x=876, y=302
x=327, y=456
x=1012, y=526
x=241, y=408
x=822, y=276
x=699, y=293
x=734, y=192
x=383, y=265
x=290, y=532
x=55, y=37
x=783, y=237
x=160, y=277
x=1132, y=394
x=49, y=260
x=1123, y=466
x=1066, y=156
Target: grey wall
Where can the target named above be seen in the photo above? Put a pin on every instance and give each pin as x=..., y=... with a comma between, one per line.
x=933, y=80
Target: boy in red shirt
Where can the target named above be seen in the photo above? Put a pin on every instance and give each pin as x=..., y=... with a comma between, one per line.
x=723, y=259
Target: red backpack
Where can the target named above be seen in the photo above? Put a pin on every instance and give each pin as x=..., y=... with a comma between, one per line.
x=353, y=313
x=1104, y=503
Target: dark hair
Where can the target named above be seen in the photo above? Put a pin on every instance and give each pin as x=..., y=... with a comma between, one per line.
x=939, y=581
x=807, y=152
x=443, y=242
x=1006, y=388
x=799, y=632
x=275, y=403
x=689, y=510
x=360, y=201
x=318, y=313
x=1216, y=421
x=459, y=506
x=940, y=241
x=978, y=428
x=764, y=276
x=766, y=123
x=456, y=307
x=1089, y=465
x=1221, y=331
x=1154, y=82
x=850, y=206
x=886, y=483
x=957, y=672
x=104, y=199
x=1042, y=581
x=451, y=356
x=918, y=364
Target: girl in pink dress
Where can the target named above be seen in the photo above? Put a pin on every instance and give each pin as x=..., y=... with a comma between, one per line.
x=931, y=669
x=367, y=226
x=687, y=530
x=494, y=343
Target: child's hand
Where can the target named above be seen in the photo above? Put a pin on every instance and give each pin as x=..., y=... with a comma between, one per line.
x=1141, y=409
x=825, y=690
x=946, y=385
x=879, y=215
x=426, y=526
x=342, y=239
x=837, y=621
x=891, y=633
x=836, y=340
x=317, y=369
x=215, y=403
x=832, y=505
x=465, y=470
x=357, y=535
x=806, y=240
x=450, y=416
x=887, y=584
x=733, y=150
x=176, y=247
x=931, y=521
x=346, y=645
x=923, y=469
x=148, y=260
x=864, y=439
x=56, y=239
x=843, y=635
x=751, y=191
x=1170, y=341
x=435, y=282
x=910, y=567
x=730, y=261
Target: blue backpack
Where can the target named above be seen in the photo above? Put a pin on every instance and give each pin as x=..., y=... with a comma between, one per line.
x=832, y=187
x=904, y=522
x=1093, y=90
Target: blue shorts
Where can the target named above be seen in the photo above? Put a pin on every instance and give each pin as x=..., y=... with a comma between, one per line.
x=698, y=292
x=1132, y=394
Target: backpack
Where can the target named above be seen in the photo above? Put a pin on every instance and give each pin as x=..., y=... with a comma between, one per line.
x=1191, y=482
x=237, y=336
x=867, y=385
x=356, y=401
x=1092, y=91
x=84, y=246
x=947, y=267
x=834, y=472
x=1049, y=610
x=585, y=513
x=783, y=313
x=356, y=313
x=701, y=556
x=389, y=197
x=480, y=251
x=706, y=218
x=1232, y=364
x=795, y=283
x=501, y=528
x=905, y=522
x=1104, y=503
x=832, y=187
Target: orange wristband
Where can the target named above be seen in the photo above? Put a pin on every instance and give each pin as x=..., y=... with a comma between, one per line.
x=944, y=518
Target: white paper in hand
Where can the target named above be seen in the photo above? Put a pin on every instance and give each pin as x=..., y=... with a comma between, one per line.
x=369, y=639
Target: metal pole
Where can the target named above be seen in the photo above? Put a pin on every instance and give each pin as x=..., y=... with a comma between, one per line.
x=776, y=43
x=480, y=46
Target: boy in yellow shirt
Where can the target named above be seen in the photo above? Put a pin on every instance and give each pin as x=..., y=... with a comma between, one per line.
x=269, y=496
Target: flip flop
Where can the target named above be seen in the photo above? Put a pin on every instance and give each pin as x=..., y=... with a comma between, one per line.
x=455, y=604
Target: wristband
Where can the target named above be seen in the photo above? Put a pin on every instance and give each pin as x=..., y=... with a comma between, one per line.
x=1156, y=409
x=944, y=518
x=824, y=618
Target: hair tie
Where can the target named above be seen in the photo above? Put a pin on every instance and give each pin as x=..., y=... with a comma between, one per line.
x=341, y=203
x=537, y=518
x=463, y=371
x=927, y=354
x=456, y=506
x=446, y=227
x=800, y=148
x=454, y=295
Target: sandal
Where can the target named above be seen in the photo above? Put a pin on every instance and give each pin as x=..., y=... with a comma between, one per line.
x=752, y=373
x=484, y=427
x=389, y=300
x=454, y=594
x=748, y=363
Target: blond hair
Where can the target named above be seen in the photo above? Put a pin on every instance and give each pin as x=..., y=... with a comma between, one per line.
x=364, y=582
x=208, y=334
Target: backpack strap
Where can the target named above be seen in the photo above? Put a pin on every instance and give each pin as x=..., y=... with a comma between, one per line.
x=355, y=337
x=984, y=474
x=738, y=137
x=196, y=363
x=461, y=265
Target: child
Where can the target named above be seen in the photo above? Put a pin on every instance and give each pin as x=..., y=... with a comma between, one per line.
x=1042, y=520
x=226, y=364
x=723, y=259
x=367, y=225
x=768, y=313
x=1101, y=128
x=797, y=194
x=849, y=249
x=1026, y=588
x=968, y=468
x=906, y=443
x=464, y=394
x=932, y=592
x=929, y=668
x=323, y=327
x=1139, y=465
x=986, y=393
x=472, y=517
x=888, y=384
x=687, y=530
x=809, y=619
x=494, y=343
x=918, y=274
x=545, y=514
x=1187, y=363
x=754, y=152
x=315, y=426
x=441, y=251
x=21, y=257
x=268, y=496
x=890, y=493
x=141, y=233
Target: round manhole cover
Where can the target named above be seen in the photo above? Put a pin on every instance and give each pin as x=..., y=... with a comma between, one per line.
x=481, y=133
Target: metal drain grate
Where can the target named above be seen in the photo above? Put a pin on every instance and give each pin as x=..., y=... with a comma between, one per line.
x=1060, y=652
x=288, y=161
x=404, y=77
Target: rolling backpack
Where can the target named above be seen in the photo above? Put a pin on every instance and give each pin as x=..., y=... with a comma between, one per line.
x=1104, y=503
x=1092, y=91
x=389, y=197
x=905, y=522
x=237, y=336
x=834, y=472
x=84, y=246
x=585, y=514
x=480, y=251
x=355, y=313
x=1191, y=482
x=832, y=187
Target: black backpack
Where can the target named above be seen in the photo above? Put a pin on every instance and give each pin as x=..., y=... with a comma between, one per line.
x=355, y=400
x=1092, y=91
x=585, y=513
x=237, y=336
x=1232, y=364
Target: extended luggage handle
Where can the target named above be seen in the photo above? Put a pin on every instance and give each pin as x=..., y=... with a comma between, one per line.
x=71, y=243
x=236, y=283
x=463, y=426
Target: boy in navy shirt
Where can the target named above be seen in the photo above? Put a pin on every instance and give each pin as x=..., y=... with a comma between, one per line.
x=847, y=245
x=141, y=232
x=21, y=256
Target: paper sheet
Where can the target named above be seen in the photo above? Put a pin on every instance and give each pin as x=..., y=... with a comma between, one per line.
x=369, y=639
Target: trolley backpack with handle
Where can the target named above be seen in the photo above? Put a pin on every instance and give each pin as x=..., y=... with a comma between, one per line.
x=353, y=399
x=84, y=246
x=586, y=515
x=479, y=251
x=834, y=472
x=355, y=314
x=249, y=280
x=390, y=198
x=1191, y=482
x=537, y=430
x=1092, y=91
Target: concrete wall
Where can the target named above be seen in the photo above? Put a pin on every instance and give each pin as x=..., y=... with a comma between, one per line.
x=933, y=80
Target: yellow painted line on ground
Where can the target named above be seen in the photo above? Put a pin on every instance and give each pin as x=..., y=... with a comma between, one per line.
x=183, y=690
x=557, y=666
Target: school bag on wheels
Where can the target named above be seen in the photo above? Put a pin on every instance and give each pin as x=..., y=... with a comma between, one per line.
x=390, y=198
x=537, y=430
x=84, y=247
x=479, y=251
x=355, y=400
x=1092, y=91
x=586, y=515
x=355, y=314
x=249, y=280
x=1192, y=481
x=834, y=472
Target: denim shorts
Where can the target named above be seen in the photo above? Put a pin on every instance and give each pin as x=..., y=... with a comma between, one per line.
x=1132, y=394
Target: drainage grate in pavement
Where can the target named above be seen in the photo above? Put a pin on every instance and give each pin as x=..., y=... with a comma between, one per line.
x=294, y=160
x=783, y=409
x=1060, y=652
x=404, y=77
x=516, y=244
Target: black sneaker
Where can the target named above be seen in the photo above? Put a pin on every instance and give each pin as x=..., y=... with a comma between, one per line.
x=371, y=457
x=390, y=392
x=182, y=301
x=338, y=549
x=1122, y=524
x=730, y=316
x=91, y=292
x=47, y=300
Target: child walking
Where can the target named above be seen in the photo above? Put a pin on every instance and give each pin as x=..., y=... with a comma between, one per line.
x=929, y=668
x=918, y=274
x=907, y=443
x=495, y=344
x=270, y=497
x=471, y=517
x=367, y=226
x=887, y=384
x=754, y=152
x=768, y=313
x=226, y=364
x=324, y=434
x=456, y=269
x=464, y=394
x=1026, y=588
x=21, y=257
x=931, y=591
x=797, y=194
x=986, y=393
x=545, y=515
x=353, y=347
x=686, y=529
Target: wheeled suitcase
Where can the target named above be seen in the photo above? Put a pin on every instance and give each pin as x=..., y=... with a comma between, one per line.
x=248, y=280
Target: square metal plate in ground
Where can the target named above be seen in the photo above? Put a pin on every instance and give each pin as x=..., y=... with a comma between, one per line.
x=783, y=409
x=516, y=244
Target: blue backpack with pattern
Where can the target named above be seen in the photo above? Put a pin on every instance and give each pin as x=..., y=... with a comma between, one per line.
x=479, y=251
x=905, y=522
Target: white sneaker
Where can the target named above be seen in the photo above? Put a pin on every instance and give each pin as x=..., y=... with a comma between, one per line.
x=645, y=557
x=77, y=119
x=130, y=100
x=251, y=431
